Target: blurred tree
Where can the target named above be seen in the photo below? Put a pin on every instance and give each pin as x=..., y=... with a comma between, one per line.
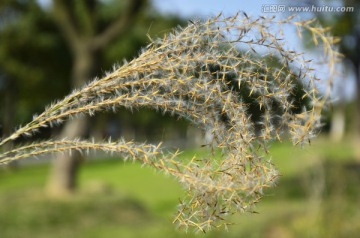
x=75, y=39
x=90, y=27
x=87, y=35
x=347, y=26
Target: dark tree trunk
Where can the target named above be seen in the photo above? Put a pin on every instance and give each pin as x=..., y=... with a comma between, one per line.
x=337, y=127
x=357, y=79
x=62, y=180
x=337, y=124
x=357, y=111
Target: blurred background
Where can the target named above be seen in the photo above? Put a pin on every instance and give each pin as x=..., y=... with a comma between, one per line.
x=49, y=47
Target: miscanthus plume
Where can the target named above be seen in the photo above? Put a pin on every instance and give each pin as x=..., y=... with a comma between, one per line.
x=204, y=72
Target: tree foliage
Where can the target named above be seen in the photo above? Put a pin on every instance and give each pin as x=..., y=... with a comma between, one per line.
x=32, y=48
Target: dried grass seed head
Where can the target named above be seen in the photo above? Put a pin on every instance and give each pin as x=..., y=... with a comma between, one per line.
x=206, y=73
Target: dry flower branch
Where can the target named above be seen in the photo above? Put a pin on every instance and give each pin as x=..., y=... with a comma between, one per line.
x=198, y=73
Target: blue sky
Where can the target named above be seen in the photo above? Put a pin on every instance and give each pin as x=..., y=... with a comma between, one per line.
x=207, y=8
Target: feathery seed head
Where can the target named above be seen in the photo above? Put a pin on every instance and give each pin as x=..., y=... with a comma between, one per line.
x=232, y=77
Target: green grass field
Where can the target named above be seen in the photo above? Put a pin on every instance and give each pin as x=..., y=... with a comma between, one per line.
x=317, y=195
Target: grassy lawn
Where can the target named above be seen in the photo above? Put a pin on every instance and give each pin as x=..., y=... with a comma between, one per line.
x=317, y=196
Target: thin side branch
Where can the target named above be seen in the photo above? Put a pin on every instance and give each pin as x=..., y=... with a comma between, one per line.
x=119, y=26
